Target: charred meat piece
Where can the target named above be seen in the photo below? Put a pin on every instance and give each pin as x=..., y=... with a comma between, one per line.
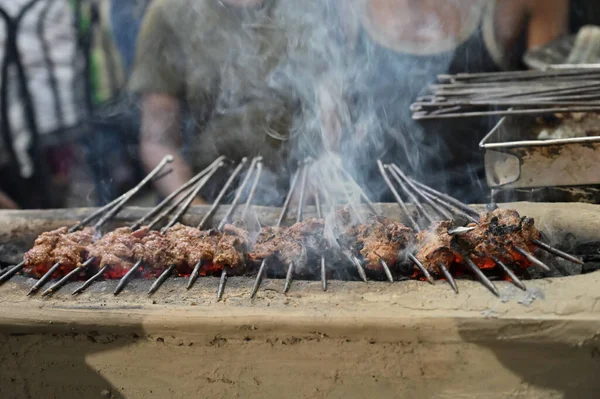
x=297, y=243
x=157, y=253
x=437, y=246
x=496, y=235
x=266, y=244
x=190, y=246
x=381, y=239
x=118, y=249
x=70, y=249
x=231, y=249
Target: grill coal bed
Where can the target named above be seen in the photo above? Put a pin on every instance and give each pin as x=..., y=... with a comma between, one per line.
x=403, y=339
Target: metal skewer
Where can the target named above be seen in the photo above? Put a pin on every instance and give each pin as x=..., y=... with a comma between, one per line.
x=288, y=278
x=448, y=276
x=532, y=258
x=10, y=273
x=557, y=252
x=89, y=282
x=356, y=262
x=300, y=174
x=191, y=198
x=387, y=270
x=259, y=278
x=194, y=275
x=362, y=193
x=216, y=164
x=286, y=203
x=131, y=193
x=482, y=277
x=217, y=201
x=196, y=271
x=515, y=280
x=441, y=211
x=40, y=283
x=67, y=277
x=466, y=209
x=413, y=198
x=259, y=167
x=125, y=279
x=110, y=205
x=239, y=192
x=323, y=264
x=447, y=198
x=302, y=192
x=161, y=279
x=397, y=196
x=222, y=282
x=422, y=268
x=323, y=274
x=112, y=209
x=256, y=163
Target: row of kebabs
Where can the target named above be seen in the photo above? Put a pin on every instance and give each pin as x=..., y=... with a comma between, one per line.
x=240, y=252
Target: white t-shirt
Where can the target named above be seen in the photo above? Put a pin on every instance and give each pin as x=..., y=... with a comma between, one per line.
x=56, y=44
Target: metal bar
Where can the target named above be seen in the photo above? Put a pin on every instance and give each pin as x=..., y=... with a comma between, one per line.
x=397, y=196
x=302, y=191
x=259, y=167
x=40, y=283
x=222, y=282
x=540, y=111
x=167, y=159
x=191, y=197
x=448, y=276
x=414, y=199
x=441, y=211
x=482, y=277
x=324, y=274
x=239, y=192
x=56, y=286
x=175, y=193
x=194, y=275
x=532, y=259
x=422, y=268
x=387, y=270
x=451, y=207
x=361, y=191
x=217, y=201
x=286, y=203
x=89, y=282
x=446, y=197
x=167, y=211
x=515, y=280
x=161, y=279
x=557, y=252
x=259, y=278
x=288, y=278
x=125, y=279
x=11, y=272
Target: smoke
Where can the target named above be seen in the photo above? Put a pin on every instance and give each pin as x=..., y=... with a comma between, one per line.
x=314, y=78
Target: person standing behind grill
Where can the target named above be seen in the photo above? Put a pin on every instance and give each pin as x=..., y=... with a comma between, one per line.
x=38, y=112
x=400, y=46
x=219, y=60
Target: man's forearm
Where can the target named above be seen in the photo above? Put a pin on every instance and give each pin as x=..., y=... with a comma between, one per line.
x=161, y=135
x=152, y=155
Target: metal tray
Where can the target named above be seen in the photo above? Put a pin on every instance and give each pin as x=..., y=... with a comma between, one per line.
x=514, y=159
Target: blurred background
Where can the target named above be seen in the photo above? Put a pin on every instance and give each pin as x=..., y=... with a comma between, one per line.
x=72, y=119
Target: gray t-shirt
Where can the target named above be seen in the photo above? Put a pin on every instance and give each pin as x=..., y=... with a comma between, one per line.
x=232, y=66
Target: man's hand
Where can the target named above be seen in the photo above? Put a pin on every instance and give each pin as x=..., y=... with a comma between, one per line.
x=6, y=202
